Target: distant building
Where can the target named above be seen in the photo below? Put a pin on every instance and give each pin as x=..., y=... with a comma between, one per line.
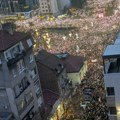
x=26, y=8
x=54, y=82
x=65, y=4
x=20, y=89
x=50, y=7
x=111, y=63
x=5, y=7
x=76, y=67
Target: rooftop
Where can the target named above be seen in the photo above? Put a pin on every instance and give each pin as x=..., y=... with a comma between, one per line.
x=72, y=63
x=7, y=40
x=49, y=98
x=112, y=51
x=49, y=60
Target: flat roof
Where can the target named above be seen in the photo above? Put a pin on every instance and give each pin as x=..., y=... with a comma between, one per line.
x=112, y=51
x=117, y=41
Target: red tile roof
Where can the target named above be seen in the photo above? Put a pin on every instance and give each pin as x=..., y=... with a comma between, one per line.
x=72, y=63
x=7, y=40
x=49, y=98
x=49, y=60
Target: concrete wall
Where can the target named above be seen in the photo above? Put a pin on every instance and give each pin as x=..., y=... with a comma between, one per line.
x=10, y=94
x=113, y=80
x=4, y=101
x=78, y=76
x=54, y=7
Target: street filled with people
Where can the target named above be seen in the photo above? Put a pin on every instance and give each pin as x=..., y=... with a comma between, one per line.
x=85, y=36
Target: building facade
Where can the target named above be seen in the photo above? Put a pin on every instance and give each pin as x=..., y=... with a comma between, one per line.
x=5, y=7
x=111, y=63
x=54, y=82
x=50, y=7
x=20, y=89
x=26, y=8
x=76, y=67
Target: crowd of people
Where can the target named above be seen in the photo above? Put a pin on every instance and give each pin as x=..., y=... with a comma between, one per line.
x=86, y=36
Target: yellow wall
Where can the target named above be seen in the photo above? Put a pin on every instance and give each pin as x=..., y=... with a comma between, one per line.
x=78, y=76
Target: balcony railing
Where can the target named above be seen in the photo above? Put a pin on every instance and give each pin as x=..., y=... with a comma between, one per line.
x=17, y=57
x=24, y=88
x=26, y=104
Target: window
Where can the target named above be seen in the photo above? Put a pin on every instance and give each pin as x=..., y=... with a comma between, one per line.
x=28, y=97
x=20, y=66
x=13, y=73
x=37, y=89
x=31, y=58
x=33, y=73
x=21, y=105
x=29, y=42
x=20, y=87
x=25, y=82
x=112, y=111
x=8, y=55
x=14, y=51
x=110, y=91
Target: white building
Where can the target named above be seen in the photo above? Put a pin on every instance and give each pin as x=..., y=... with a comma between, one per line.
x=111, y=61
x=50, y=6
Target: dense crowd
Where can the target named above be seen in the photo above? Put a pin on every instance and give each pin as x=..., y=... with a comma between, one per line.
x=88, y=37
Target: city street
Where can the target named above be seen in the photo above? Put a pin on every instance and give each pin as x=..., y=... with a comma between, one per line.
x=86, y=36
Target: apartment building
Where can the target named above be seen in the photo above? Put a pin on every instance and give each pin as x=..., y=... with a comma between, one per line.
x=50, y=7
x=111, y=63
x=54, y=82
x=20, y=89
x=26, y=8
x=76, y=67
x=4, y=7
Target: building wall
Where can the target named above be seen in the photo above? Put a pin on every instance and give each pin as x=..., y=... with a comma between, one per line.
x=62, y=80
x=8, y=100
x=10, y=94
x=78, y=76
x=113, y=80
x=45, y=6
x=5, y=7
x=58, y=110
x=48, y=79
x=4, y=102
x=54, y=7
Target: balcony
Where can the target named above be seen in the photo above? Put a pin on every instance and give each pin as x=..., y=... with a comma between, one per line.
x=17, y=57
x=27, y=103
x=24, y=88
